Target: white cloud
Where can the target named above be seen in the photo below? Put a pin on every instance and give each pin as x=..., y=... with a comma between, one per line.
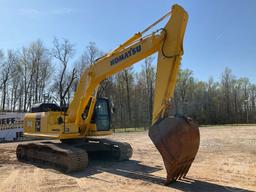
x=30, y=12
x=36, y=12
x=62, y=11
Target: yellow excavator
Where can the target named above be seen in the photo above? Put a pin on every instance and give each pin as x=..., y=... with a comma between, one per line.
x=77, y=127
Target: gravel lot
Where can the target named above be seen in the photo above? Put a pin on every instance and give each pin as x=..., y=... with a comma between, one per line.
x=226, y=161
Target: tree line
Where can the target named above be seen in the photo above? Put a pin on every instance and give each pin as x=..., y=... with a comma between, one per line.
x=35, y=74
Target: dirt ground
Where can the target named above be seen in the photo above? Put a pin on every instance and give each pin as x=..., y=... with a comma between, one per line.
x=226, y=161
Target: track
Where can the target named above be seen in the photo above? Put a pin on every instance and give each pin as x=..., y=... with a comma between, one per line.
x=71, y=156
x=56, y=155
x=124, y=151
x=117, y=151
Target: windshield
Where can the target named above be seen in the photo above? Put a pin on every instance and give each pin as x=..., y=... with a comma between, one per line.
x=101, y=108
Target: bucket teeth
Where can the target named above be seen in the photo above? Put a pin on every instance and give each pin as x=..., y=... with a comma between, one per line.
x=184, y=172
x=179, y=173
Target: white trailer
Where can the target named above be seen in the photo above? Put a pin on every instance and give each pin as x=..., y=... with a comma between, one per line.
x=11, y=126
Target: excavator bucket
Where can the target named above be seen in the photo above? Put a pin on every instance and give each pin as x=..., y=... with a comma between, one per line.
x=177, y=139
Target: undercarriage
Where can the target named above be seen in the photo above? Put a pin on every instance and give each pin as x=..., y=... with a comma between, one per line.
x=72, y=155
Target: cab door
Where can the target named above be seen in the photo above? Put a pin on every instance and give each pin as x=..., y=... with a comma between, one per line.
x=102, y=114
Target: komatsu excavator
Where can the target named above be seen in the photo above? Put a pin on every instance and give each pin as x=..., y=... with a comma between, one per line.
x=77, y=127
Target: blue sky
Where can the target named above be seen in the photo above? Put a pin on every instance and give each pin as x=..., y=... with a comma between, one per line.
x=220, y=33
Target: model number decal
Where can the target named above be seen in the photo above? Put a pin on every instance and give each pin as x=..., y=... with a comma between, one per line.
x=125, y=55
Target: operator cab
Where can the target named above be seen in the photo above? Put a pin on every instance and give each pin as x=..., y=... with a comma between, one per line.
x=102, y=114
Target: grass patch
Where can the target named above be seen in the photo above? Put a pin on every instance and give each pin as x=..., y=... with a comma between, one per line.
x=130, y=129
x=141, y=129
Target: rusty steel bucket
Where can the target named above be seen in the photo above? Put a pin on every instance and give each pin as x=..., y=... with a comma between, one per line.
x=177, y=139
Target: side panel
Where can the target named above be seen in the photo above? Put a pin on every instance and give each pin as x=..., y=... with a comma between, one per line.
x=51, y=125
x=47, y=123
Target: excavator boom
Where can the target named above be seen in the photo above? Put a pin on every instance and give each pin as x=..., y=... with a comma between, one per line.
x=167, y=42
